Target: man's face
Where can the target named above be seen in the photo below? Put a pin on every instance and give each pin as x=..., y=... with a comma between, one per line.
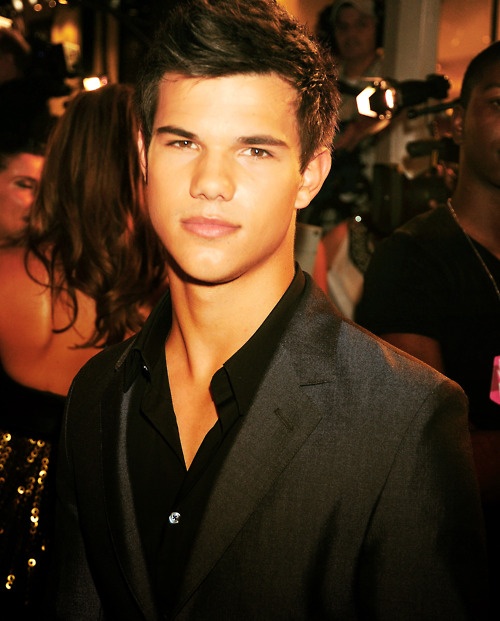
x=224, y=176
x=479, y=130
x=18, y=184
x=355, y=33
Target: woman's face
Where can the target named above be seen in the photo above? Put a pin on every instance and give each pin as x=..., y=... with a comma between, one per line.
x=18, y=185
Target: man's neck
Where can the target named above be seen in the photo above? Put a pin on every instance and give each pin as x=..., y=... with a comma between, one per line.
x=211, y=322
x=478, y=211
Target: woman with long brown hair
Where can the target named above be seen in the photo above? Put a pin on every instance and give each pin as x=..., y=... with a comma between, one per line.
x=84, y=275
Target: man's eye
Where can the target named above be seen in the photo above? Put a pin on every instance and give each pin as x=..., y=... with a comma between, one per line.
x=257, y=152
x=182, y=144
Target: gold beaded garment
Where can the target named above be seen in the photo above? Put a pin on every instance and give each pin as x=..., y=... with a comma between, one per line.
x=29, y=427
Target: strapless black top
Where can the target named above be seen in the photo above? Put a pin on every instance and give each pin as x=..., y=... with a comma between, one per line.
x=30, y=421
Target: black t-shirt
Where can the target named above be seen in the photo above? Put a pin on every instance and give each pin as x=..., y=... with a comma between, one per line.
x=426, y=279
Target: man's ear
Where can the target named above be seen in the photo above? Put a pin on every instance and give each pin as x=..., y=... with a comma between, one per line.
x=457, y=124
x=313, y=177
x=143, y=157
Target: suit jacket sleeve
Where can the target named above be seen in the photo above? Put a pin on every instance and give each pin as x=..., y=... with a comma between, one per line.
x=76, y=596
x=430, y=562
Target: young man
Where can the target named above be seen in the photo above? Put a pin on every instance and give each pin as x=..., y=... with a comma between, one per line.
x=432, y=287
x=353, y=30
x=251, y=455
x=356, y=28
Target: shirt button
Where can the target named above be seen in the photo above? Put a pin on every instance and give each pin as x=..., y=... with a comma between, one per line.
x=174, y=517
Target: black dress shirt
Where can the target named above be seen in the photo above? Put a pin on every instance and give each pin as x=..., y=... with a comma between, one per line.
x=170, y=499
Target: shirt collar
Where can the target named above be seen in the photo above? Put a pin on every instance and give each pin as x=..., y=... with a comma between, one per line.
x=247, y=366
x=149, y=342
x=245, y=369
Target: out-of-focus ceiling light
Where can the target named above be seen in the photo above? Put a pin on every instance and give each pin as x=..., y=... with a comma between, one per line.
x=94, y=82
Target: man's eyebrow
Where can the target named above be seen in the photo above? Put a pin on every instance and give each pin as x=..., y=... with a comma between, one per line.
x=255, y=140
x=264, y=140
x=176, y=131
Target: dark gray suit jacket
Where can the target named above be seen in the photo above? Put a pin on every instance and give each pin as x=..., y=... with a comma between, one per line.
x=348, y=494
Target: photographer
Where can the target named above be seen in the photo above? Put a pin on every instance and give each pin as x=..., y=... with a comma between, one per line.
x=353, y=31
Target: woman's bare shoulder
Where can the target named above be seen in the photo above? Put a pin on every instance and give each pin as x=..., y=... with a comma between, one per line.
x=31, y=351
x=25, y=305
x=13, y=269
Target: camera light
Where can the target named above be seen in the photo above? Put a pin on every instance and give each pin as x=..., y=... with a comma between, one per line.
x=363, y=102
x=377, y=100
x=384, y=98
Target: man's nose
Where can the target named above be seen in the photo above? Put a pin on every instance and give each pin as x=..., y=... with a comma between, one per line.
x=213, y=177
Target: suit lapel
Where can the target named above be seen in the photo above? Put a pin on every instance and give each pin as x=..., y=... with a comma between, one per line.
x=119, y=503
x=280, y=420
x=278, y=423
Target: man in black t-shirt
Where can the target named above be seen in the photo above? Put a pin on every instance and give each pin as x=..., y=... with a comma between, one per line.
x=433, y=287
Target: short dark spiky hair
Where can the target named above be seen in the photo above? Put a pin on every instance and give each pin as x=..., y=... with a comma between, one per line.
x=215, y=38
x=476, y=70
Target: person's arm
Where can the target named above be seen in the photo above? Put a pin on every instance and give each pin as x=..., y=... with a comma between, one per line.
x=424, y=555
x=422, y=347
x=485, y=443
x=332, y=241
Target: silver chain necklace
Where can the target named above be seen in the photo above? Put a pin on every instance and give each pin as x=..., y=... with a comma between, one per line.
x=475, y=250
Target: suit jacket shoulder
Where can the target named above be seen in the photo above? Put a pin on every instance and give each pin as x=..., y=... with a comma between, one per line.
x=348, y=490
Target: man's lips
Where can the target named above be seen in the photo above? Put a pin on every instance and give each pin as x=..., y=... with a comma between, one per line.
x=209, y=227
